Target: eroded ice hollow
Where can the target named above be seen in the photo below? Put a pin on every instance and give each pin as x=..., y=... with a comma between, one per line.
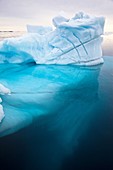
x=73, y=41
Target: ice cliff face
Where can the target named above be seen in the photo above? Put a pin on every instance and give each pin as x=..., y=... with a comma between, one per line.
x=73, y=41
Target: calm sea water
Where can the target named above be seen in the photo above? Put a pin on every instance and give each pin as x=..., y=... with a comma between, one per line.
x=67, y=112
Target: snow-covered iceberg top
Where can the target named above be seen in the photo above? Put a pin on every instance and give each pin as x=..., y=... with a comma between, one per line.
x=73, y=41
x=3, y=90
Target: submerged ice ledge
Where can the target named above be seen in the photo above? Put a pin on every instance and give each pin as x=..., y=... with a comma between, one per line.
x=45, y=90
x=73, y=41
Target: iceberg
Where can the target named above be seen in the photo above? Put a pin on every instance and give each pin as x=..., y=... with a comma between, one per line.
x=72, y=41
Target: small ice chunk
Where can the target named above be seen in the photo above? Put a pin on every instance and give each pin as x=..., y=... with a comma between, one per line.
x=81, y=15
x=1, y=112
x=0, y=100
x=4, y=90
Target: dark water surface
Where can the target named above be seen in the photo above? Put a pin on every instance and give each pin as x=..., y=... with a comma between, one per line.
x=68, y=122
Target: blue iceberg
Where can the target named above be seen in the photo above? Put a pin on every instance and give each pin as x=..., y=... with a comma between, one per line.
x=73, y=41
x=41, y=89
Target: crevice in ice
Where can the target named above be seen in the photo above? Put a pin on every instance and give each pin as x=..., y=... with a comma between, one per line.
x=81, y=43
x=72, y=45
x=58, y=48
x=78, y=46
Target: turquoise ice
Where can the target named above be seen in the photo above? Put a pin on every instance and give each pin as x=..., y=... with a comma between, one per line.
x=38, y=90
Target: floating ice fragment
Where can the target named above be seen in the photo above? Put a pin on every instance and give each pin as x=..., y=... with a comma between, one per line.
x=3, y=90
x=1, y=113
x=0, y=100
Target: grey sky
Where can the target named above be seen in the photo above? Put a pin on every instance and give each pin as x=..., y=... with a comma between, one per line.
x=43, y=10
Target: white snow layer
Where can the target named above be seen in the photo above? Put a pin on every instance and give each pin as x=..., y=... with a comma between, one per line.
x=73, y=41
x=3, y=90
